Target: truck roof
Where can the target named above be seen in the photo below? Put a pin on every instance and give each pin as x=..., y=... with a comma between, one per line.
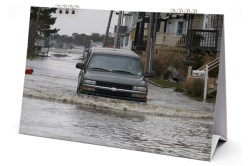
x=114, y=51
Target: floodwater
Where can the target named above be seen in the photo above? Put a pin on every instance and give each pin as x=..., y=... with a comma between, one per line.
x=169, y=123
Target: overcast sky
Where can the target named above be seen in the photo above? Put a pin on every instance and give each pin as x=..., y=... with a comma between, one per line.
x=84, y=21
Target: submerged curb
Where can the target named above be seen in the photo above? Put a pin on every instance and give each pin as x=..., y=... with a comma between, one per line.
x=113, y=105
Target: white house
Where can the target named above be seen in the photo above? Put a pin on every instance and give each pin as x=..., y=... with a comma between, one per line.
x=130, y=21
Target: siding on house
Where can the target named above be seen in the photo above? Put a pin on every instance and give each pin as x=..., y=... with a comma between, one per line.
x=132, y=34
x=161, y=27
x=197, y=21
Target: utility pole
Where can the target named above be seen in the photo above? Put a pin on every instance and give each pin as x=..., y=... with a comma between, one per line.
x=148, y=48
x=107, y=30
x=155, y=20
x=117, y=30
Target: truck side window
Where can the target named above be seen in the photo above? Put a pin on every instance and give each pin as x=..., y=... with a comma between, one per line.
x=87, y=57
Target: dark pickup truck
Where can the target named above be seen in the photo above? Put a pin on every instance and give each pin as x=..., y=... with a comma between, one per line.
x=114, y=73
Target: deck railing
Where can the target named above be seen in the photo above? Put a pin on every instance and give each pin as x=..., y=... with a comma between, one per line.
x=171, y=39
x=202, y=39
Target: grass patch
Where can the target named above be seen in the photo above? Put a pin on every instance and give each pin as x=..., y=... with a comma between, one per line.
x=178, y=87
x=196, y=91
x=210, y=98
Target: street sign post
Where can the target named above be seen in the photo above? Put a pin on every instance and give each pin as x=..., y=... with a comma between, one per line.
x=198, y=73
x=202, y=74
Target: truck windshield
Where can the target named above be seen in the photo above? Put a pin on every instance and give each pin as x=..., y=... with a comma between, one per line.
x=115, y=63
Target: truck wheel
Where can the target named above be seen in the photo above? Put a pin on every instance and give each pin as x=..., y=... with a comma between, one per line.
x=79, y=84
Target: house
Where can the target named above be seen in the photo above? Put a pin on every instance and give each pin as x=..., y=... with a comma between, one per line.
x=41, y=49
x=192, y=31
x=139, y=32
x=127, y=35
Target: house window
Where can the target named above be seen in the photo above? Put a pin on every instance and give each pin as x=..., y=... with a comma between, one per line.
x=179, y=27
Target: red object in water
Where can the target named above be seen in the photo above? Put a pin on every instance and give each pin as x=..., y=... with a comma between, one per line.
x=28, y=71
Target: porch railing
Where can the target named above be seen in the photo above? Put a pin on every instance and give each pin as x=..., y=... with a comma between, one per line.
x=202, y=39
x=171, y=39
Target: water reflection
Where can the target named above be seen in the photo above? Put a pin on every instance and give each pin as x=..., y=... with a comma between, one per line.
x=163, y=135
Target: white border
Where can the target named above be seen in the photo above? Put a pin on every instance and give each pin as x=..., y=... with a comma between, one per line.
x=26, y=150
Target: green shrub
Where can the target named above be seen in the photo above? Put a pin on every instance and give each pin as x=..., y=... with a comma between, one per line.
x=166, y=57
x=194, y=87
x=158, y=66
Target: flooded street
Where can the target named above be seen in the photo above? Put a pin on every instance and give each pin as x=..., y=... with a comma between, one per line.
x=169, y=123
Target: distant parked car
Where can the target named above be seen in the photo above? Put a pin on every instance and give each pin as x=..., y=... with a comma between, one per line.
x=113, y=73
